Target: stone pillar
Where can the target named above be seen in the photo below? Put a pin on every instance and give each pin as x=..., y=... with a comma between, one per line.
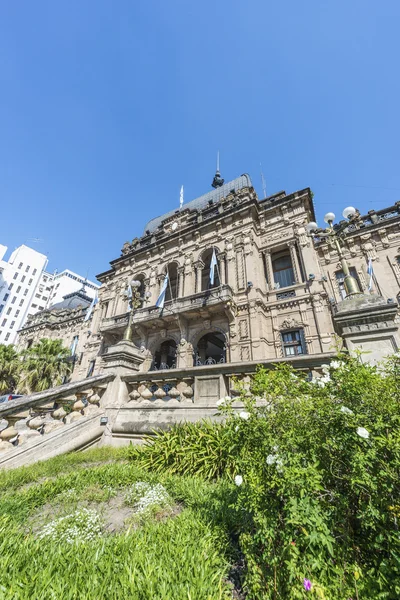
x=295, y=261
x=367, y=322
x=222, y=270
x=181, y=276
x=270, y=271
x=199, y=266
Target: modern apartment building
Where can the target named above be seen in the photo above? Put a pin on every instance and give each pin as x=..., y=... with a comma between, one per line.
x=19, y=279
x=61, y=284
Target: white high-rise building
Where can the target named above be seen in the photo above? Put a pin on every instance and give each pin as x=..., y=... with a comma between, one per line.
x=54, y=287
x=19, y=278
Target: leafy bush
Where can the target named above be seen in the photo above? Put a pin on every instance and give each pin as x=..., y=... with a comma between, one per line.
x=204, y=449
x=317, y=467
x=318, y=480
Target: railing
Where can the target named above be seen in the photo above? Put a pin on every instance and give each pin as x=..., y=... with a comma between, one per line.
x=25, y=419
x=180, y=384
x=212, y=297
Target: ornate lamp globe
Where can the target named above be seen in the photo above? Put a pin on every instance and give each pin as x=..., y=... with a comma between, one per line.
x=329, y=217
x=135, y=283
x=349, y=212
x=311, y=227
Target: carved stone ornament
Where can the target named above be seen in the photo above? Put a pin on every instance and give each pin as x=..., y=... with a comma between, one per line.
x=290, y=324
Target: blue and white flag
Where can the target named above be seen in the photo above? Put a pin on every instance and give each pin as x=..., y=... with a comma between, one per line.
x=91, y=307
x=370, y=272
x=161, y=297
x=213, y=264
x=74, y=345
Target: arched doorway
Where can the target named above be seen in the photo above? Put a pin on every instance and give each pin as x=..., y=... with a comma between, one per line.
x=165, y=356
x=205, y=273
x=210, y=349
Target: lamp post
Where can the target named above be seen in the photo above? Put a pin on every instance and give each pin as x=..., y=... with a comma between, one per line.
x=134, y=301
x=334, y=236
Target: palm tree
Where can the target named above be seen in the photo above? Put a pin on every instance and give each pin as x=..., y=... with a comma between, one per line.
x=45, y=365
x=10, y=369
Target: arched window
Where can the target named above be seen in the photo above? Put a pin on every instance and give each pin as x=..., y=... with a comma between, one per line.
x=141, y=289
x=283, y=269
x=206, y=283
x=165, y=356
x=173, y=282
x=210, y=349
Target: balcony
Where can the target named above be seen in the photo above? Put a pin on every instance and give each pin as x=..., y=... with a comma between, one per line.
x=203, y=304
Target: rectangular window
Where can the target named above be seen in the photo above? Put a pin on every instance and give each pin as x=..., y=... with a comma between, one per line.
x=293, y=343
x=13, y=300
x=10, y=287
x=44, y=297
x=6, y=296
x=30, y=282
x=25, y=292
x=21, y=303
x=283, y=269
x=27, y=268
x=90, y=368
x=15, y=275
x=34, y=271
x=23, y=278
x=16, y=313
x=20, y=265
x=34, y=305
x=9, y=311
x=1, y=307
x=18, y=289
x=12, y=324
x=7, y=336
x=44, y=278
x=4, y=322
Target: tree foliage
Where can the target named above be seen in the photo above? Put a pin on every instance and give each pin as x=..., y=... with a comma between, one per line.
x=10, y=368
x=45, y=365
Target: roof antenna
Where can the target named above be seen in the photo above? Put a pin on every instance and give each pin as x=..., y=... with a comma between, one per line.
x=264, y=187
x=217, y=181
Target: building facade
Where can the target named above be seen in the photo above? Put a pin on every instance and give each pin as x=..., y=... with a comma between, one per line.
x=19, y=279
x=66, y=282
x=273, y=295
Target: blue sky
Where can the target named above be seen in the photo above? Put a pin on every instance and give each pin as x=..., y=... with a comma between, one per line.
x=107, y=108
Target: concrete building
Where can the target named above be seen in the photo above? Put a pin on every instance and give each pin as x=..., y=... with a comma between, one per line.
x=19, y=278
x=274, y=296
x=64, y=283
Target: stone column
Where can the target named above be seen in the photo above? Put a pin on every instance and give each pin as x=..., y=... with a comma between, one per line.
x=181, y=276
x=270, y=271
x=199, y=266
x=222, y=271
x=295, y=261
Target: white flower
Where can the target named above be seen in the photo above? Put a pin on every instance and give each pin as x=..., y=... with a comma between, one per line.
x=336, y=364
x=221, y=402
x=346, y=410
x=237, y=428
x=279, y=465
x=271, y=458
x=228, y=398
x=362, y=432
x=238, y=480
x=244, y=415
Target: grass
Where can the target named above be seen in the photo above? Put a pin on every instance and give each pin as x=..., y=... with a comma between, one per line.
x=168, y=554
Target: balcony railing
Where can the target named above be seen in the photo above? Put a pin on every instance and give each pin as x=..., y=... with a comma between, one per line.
x=208, y=299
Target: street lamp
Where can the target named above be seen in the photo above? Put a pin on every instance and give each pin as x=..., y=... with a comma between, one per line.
x=134, y=301
x=333, y=236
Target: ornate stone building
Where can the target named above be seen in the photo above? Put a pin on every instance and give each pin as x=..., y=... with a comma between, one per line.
x=274, y=296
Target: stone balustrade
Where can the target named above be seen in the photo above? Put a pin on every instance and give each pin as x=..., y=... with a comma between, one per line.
x=25, y=419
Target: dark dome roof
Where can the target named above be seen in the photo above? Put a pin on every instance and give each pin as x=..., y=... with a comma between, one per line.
x=199, y=203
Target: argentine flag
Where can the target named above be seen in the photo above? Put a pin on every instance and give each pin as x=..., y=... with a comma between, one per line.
x=91, y=307
x=213, y=264
x=161, y=297
x=129, y=294
x=370, y=272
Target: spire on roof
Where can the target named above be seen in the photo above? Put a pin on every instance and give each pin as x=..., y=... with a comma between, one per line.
x=217, y=181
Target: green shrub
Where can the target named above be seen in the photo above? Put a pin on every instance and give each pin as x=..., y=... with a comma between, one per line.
x=204, y=449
